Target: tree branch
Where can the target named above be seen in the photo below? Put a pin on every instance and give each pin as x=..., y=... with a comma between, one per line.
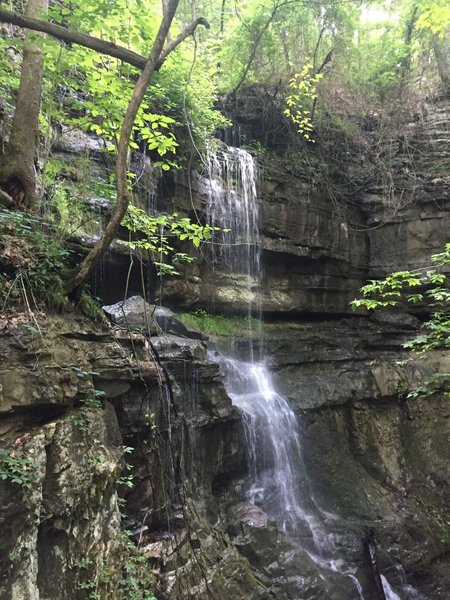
x=189, y=30
x=158, y=55
x=259, y=34
x=325, y=61
x=123, y=193
x=74, y=37
x=71, y=36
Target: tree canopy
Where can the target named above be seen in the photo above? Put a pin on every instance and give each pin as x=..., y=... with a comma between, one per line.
x=147, y=76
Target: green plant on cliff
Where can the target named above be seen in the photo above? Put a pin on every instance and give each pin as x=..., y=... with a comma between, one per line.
x=32, y=259
x=299, y=102
x=428, y=287
x=17, y=467
x=137, y=578
x=130, y=577
x=82, y=417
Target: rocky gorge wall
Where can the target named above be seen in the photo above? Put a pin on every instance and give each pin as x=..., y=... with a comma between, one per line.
x=374, y=462
x=318, y=249
x=70, y=459
x=74, y=392
x=377, y=461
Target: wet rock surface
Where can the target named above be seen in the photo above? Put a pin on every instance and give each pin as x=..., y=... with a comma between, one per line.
x=375, y=459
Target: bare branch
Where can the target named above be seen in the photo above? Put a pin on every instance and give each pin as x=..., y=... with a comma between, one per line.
x=258, y=37
x=189, y=30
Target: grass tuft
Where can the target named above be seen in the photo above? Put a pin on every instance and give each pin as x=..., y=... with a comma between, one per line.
x=219, y=325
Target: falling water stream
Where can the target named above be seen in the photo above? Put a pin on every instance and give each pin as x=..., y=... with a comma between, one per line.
x=277, y=480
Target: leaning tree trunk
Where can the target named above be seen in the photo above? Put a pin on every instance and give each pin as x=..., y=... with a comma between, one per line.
x=122, y=187
x=17, y=171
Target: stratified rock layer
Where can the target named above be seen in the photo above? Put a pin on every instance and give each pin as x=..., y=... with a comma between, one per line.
x=373, y=459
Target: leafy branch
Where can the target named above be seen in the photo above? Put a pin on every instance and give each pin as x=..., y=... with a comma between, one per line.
x=88, y=41
x=302, y=91
x=157, y=233
x=429, y=285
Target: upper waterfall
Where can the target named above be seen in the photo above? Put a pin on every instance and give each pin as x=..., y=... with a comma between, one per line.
x=232, y=205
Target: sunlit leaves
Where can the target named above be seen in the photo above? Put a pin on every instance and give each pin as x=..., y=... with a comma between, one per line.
x=302, y=92
x=434, y=16
x=160, y=234
x=97, y=88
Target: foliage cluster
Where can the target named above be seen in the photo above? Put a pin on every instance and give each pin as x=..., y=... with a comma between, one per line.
x=33, y=258
x=302, y=91
x=91, y=91
x=9, y=74
x=159, y=234
x=134, y=581
x=429, y=287
x=377, y=52
x=17, y=467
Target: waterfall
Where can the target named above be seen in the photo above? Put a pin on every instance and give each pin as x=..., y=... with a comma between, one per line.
x=273, y=445
x=271, y=428
x=277, y=480
x=232, y=205
x=388, y=591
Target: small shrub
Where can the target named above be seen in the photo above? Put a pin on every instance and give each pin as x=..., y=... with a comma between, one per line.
x=32, y=259
x=134, y=581
x=81, y=419
x=17, y=468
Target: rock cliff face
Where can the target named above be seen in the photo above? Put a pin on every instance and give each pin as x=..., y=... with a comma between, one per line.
x=319, y=248
x=59, y=512
x=314, y=258
x=72, y=395
x=410, y=206
x=373, y=462
x=73, y=392
x=377, y=461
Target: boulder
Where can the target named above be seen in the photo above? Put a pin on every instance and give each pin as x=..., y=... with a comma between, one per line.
x=136, y=313
x=168, y=322
x=133, y=313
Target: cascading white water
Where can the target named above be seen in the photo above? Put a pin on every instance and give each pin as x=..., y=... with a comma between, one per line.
x=233, y=205
x=271, y=428
x=388, y=591
x=272, y=436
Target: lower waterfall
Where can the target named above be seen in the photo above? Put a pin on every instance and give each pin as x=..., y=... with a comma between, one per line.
x=276, y=480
